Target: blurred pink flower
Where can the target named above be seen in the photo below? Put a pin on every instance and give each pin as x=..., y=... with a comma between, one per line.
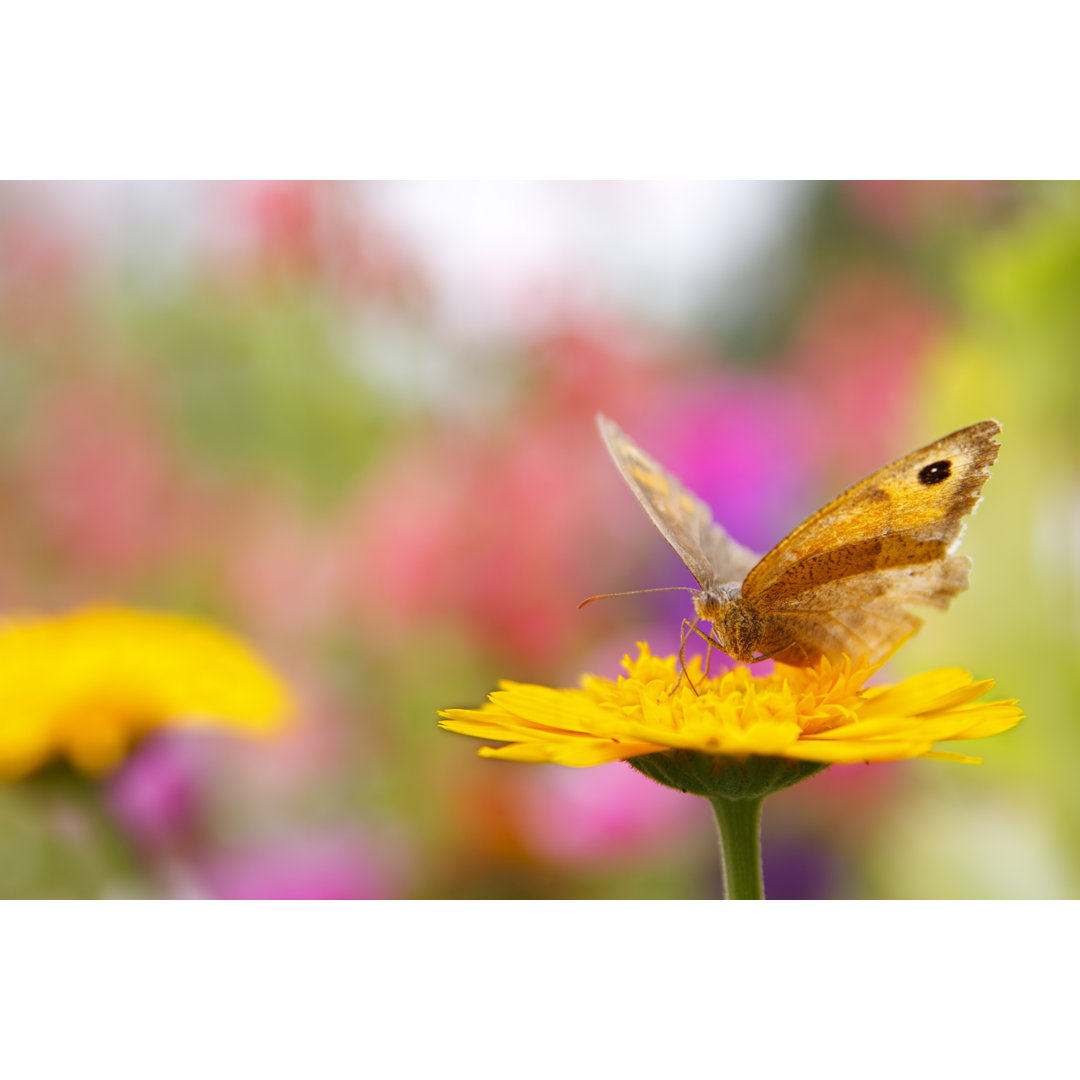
x=337, y=732
x=836, y=792
x=570, y=818
x=157, y=794
x=271, y=231
x=42, y=267
x=858, y=365
x=269, y=225
x=283, y=572
x=497, y=529
x=95, y=480
x=316, y=867
x=493, y=535
x=591, y=364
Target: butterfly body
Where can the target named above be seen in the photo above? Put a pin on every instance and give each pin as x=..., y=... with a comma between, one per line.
x=737, y=626
x=842, y=581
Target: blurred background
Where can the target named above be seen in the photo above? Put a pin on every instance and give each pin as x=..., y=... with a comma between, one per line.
x=354, y=424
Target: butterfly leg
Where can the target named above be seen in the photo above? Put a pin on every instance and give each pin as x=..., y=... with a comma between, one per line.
x=770, y=655
x=688, y=626
x=709, y=638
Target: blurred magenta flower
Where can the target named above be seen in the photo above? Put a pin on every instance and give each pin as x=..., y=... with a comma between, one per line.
x=157, y=794
x=746, y=446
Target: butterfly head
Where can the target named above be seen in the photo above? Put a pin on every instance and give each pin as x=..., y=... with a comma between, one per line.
x=737, y=627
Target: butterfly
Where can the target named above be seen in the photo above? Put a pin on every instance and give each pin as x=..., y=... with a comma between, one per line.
x=842, y=581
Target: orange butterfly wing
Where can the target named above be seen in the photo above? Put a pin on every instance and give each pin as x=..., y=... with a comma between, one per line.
x=842, y=580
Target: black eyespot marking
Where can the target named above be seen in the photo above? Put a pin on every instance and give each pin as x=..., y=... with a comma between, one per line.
x=936, y=473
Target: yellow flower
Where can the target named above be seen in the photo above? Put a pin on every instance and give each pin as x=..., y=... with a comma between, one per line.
x=88, y=685
x=822, y=715
x=735, y=738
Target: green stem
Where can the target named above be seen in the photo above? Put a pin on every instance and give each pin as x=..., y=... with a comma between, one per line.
x=739, y=821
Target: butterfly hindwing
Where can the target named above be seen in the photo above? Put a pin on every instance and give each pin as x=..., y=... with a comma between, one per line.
x=860, y=616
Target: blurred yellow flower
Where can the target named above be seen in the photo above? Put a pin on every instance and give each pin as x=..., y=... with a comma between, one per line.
x=88, y=685
x=821, y=714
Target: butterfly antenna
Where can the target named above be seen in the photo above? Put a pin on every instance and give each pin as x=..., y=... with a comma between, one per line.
x=636, y=592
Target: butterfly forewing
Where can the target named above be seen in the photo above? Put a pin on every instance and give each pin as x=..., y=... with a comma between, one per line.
x=906, y=515
x=685, y=521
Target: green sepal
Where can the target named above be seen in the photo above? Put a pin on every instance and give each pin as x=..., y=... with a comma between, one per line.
x=717, y=777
